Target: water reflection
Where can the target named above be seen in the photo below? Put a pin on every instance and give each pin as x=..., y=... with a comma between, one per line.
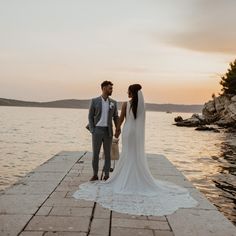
x=225, y=179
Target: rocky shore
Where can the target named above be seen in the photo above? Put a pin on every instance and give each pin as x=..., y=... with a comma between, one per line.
x=218, y=112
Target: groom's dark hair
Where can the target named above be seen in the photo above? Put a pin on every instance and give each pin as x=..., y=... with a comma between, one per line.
x=105, y=83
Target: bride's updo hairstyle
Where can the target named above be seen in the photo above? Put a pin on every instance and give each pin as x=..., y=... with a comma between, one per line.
x=133, y=89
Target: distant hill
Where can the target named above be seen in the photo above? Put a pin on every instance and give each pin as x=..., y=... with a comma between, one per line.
x=68, y=103
x=174, y=107
x=84, y=104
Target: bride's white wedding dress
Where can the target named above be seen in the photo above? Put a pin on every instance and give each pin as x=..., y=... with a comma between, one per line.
x=131, y=187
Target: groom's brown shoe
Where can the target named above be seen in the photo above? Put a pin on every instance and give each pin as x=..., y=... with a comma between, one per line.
x=95, y=177
x=105, y=177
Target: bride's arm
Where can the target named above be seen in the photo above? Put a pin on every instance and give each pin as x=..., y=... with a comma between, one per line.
x=121, y=119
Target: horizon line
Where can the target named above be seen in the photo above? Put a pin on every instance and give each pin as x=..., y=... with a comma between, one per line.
x=167, y=103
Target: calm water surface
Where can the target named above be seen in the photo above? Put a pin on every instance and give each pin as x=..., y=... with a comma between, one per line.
x=30, y=136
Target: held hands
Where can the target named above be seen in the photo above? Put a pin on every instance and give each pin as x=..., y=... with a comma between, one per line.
x=117, y=133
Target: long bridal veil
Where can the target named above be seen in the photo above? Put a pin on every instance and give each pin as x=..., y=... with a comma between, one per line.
x=131, y=188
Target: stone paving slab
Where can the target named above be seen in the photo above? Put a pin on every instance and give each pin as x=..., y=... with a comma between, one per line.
x=44, y=176
x=128, y=216
x=12, y=224
x=195, y=222
x=140, y=224
x=101, y=212
x=32, y=188
x=44, y=211
x=71, y=211
x=100, y=226
x=41, y=204
x=67, y=202
x=58, y=223
x=65, y=234
x=20, y=204
x=31, y=233
x=130, y=232
x=41, y=233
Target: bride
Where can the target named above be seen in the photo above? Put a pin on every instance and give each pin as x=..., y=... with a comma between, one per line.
x=131, y=188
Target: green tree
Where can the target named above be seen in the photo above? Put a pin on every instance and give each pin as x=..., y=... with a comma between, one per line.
x=228, y=81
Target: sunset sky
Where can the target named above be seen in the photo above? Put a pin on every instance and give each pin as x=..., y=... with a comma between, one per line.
x=64, y=49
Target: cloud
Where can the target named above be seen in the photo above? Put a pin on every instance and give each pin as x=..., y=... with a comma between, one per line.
x=206, y=26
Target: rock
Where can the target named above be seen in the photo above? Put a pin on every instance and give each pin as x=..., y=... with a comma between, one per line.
x=178, y=119
x=194, y=121
x=209, y=108
x=219, y=103
x=233, y=99
x=199, y=117
x=231, y=130
x=232, y=111
x=221, y=111
x=206, y=128
x=225, y=123
x=186, y=124
x=195, y=116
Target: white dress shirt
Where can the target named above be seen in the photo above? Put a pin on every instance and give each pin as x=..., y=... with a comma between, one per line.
x=104, y=116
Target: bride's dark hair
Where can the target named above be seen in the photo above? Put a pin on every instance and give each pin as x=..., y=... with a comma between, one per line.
x=133, y=89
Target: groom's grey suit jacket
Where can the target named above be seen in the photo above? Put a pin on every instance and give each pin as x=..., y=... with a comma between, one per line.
x=95, y=112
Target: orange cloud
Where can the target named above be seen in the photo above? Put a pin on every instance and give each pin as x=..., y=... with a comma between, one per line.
x=209, y=28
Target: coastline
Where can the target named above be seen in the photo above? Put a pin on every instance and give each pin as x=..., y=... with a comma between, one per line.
x=84, y=104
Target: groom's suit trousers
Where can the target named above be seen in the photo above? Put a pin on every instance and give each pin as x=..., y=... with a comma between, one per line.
x=101, y=136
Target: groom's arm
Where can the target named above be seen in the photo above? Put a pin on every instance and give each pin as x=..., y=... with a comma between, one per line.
x=91, y=116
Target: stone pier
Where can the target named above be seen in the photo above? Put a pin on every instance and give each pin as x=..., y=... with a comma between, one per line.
x=41, y=204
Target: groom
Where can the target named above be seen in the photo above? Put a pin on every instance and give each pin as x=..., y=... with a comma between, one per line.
x=101, y=112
